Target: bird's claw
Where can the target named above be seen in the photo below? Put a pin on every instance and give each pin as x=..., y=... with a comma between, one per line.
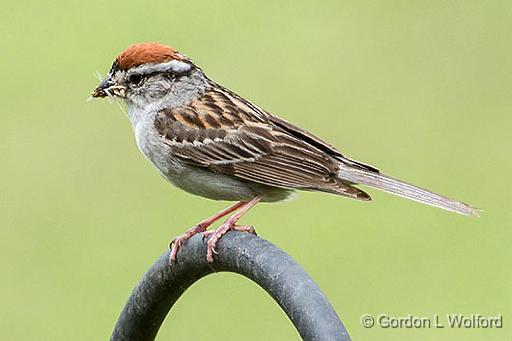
x=175, y=245
x=177, y=242
x=214, y=236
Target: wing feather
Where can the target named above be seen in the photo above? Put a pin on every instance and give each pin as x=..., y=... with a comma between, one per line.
x=247, y=145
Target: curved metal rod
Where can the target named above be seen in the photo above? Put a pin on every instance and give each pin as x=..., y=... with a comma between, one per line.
x=243, y=253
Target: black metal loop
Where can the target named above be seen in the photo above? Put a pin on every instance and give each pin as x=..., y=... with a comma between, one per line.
x=243, y=253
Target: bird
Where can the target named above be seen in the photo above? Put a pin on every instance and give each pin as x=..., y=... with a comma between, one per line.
x=211, y=142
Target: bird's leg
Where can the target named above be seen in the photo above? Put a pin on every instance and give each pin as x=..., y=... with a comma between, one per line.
x=202, y=226
x=229, y=224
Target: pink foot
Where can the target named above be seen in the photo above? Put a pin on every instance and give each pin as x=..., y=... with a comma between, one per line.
x=245, y=228
x=215, y=235
x=202, y=226
x=241, y=228
x=178, y=241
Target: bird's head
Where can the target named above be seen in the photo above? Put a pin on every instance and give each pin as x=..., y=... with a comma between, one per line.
x=144, y=72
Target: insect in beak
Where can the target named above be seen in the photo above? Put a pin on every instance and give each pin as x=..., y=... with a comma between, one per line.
x=108, y=88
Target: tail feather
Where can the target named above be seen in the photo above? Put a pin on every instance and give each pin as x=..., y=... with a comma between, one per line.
x=403, y=189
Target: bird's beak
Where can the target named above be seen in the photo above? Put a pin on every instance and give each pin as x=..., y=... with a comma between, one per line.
x=108, y=88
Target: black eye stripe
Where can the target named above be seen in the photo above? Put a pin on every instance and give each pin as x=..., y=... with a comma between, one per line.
x=138, y=77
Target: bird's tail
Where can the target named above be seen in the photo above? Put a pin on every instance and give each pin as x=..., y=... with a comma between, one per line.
x=403, y=189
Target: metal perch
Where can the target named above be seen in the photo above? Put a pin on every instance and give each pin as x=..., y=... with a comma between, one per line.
x=242, y=253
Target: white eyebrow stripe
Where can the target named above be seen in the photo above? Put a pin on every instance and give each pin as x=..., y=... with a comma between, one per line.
x=176, y=66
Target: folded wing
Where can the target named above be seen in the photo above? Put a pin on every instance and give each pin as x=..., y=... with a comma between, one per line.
x=245, y=144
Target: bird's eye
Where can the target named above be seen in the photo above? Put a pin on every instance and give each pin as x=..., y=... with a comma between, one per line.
x=135, y=79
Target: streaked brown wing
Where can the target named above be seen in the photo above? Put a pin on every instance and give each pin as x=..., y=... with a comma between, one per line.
x=219, y=133
x=282, y=125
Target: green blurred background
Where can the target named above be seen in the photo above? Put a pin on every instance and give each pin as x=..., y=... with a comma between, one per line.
x=421, y=89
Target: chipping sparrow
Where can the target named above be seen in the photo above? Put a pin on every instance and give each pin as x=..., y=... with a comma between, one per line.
x=211, y=142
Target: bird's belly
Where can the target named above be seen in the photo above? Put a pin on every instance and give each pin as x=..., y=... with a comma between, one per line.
x=211, y=185
x=197, y=180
